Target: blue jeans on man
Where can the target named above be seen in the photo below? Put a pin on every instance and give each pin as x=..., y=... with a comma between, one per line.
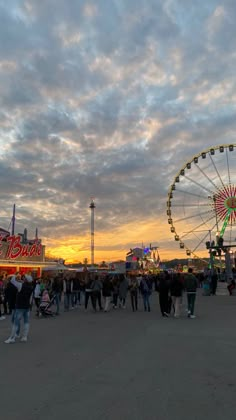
x=13, y=320
x=56, y=300
x=67, y=301
x=19, y=314
x=146, y=301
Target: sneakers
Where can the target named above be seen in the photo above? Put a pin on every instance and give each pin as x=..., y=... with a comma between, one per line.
x=2, y=318
x=23, y=339
x=10, y=340
x=192, y=316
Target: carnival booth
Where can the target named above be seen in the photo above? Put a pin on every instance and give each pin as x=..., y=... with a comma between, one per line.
x=19, y=254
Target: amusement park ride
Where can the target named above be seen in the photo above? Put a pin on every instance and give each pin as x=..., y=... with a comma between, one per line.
x=202, y=203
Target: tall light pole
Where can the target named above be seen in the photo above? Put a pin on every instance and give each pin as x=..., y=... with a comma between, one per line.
x=92, y=207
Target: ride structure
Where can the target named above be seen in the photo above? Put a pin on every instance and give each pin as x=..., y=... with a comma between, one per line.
x=201, y=202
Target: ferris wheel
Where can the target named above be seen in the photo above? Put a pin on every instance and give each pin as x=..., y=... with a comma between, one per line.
x=201, y=204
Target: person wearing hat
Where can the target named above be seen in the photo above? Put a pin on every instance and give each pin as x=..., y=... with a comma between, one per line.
x=22, y=308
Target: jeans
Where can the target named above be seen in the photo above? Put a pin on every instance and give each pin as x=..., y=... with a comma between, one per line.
x=81, y=297
x=191, y=302
x=88, y=295
x=122, y=302
x=107, y=303
x=18, y=315
x=75, y=297
x=13, y=318
x=115, y=299
x=146, y=302
x=176, y=302
x=56, y=300
x=134, y=300
x=96, y=297
x=67, y=300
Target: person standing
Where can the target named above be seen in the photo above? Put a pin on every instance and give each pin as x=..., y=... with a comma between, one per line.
x=23, y=302
x=191, y=290
x=67, y=289
x=214, y=281
x=12, y=293
x=115, y=285
x=133, y=289
x=37, y=295
x=6, y=296
x=163, y=289
x=107, y=292
x=146, y=290
x=56, y=292
x=96, y=287
x=2, y=317
x=88, y=291
x=123, y=289
x=176, y=290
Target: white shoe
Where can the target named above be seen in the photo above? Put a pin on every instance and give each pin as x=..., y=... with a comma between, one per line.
x=23, y=339
x=192, y=316
x=10, y=340
x=2, y=318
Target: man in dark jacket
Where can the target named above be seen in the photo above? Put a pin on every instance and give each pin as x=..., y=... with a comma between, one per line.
x=22, y=306
x=190, y=284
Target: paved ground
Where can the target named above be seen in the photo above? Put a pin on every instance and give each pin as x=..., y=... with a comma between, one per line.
x=123, y=366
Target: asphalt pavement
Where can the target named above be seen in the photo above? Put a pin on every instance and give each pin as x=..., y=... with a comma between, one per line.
x=123, y=365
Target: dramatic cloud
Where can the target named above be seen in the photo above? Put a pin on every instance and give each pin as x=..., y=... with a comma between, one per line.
x=109, y=99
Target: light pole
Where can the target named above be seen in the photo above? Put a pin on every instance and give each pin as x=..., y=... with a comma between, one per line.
x=92, y=207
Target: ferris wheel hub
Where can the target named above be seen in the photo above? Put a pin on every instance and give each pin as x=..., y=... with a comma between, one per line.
x=225, y=202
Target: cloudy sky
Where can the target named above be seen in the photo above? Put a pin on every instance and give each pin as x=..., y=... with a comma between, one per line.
x=108, y=99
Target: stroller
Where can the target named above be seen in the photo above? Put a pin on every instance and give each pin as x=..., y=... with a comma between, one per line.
x=44, y=309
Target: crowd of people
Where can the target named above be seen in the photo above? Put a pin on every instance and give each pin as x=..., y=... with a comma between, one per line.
x=21, y=294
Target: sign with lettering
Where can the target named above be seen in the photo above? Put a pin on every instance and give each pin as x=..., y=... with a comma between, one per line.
x=11, y=248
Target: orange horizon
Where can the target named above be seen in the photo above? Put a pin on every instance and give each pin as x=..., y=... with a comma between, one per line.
x=113, y=246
